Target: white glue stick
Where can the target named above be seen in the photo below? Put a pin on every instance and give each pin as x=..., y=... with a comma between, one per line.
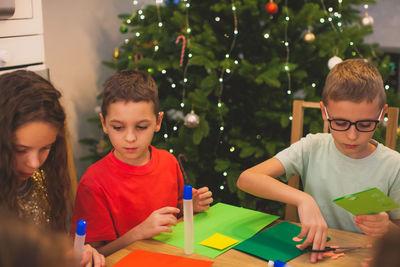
x=188, y=219
x=79, y=241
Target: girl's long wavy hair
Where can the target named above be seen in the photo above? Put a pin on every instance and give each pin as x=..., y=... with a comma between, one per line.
x=26, y=97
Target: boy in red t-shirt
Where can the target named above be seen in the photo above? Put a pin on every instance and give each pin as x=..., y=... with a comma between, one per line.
x=135, y=192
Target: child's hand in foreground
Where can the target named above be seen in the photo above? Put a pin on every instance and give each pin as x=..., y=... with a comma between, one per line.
x=202, y=198
x=374, y=224
x=313, y=226
x=159, y=221
x=90, y=257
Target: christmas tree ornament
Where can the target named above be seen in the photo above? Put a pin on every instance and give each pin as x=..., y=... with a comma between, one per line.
x=271, y=8
x=175, y=115
x=309, y=37
x=333, y=61
x=123, y=28
x=183, y=47
x=392, y=66
x=115, y=54
x=97, y=109
x=367, y=20
x=191, y=120
x=138, y=56
x=148, y=44
x=172, y=1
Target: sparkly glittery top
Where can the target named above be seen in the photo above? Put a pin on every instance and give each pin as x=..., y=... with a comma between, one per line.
x=33, y=201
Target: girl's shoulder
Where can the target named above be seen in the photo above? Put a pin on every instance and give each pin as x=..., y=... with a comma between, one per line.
x=33, y=200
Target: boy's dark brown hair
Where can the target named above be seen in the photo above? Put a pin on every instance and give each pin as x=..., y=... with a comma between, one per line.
x=130, y=85
x=354, y=80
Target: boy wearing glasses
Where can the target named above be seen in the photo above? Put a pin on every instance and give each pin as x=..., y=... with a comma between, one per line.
x=345, y=161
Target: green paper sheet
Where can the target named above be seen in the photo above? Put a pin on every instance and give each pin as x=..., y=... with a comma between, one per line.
x=275, y=243
x=370, y=201
x=235, y=222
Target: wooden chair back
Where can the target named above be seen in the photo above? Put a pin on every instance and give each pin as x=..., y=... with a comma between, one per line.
x=297, y=134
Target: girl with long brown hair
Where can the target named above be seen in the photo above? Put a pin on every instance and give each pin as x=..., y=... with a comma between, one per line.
x=34, y=178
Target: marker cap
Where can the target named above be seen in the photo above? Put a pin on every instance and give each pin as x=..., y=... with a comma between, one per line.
x=81, y=227
x=279, y=263
x=187, y=192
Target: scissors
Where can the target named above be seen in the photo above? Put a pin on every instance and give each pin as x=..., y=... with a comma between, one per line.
x=332, y=248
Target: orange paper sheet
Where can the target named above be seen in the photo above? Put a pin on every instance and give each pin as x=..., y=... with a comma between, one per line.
x=152, y=259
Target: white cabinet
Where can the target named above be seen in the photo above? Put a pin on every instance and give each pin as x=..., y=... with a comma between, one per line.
x=21, y=34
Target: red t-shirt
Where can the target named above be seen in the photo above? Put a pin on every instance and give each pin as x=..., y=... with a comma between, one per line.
x=113, y=197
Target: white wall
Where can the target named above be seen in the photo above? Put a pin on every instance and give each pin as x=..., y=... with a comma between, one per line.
x=78, y=36
x=386, y=14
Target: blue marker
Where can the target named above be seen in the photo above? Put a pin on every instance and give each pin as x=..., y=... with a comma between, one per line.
x=80, y=235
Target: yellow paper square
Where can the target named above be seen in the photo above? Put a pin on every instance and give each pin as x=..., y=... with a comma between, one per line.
x=218, y=241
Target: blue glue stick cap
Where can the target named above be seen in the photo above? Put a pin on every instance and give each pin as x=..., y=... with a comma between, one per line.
x=279, y=263
x=187, y=192
x=81, y=227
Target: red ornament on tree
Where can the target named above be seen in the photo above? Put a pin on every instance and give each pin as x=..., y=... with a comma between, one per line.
x=271, y=8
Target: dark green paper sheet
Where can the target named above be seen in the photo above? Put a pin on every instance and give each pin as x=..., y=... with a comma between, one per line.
x=235, y=222
x=370, y=201
x=275, y=243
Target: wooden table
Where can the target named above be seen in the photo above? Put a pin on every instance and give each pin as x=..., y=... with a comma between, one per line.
x=233, y=258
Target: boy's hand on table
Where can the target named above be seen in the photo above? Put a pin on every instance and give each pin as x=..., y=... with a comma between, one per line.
x=202, y=198
x=373, y=224
x=313, y=226
x=159, y=221
x=91, y=257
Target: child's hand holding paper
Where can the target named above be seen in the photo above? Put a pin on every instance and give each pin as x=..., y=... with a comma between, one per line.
x=369, y=207
x=370, y=201
x=373, y=224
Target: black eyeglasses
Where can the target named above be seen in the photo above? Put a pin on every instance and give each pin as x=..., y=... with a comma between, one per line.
x=361, y=126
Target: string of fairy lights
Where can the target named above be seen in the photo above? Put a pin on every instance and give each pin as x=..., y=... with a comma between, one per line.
x=332, y=16
x=227, y=70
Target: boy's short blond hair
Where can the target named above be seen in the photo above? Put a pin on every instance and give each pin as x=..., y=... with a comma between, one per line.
x=354, y=80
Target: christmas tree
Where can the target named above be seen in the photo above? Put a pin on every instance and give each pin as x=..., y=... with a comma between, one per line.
x=228, y=72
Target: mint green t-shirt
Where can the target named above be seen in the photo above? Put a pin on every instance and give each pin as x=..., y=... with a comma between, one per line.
x=327, y=174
